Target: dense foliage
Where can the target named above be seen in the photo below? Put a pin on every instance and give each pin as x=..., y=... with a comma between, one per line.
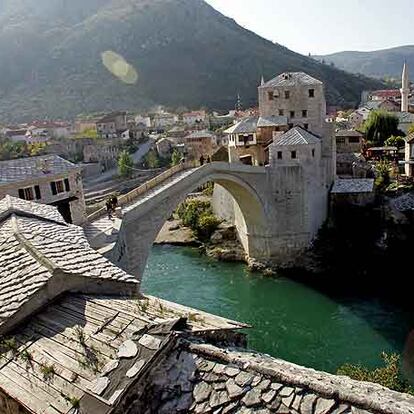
x=198, y=215
x=152, y=160
x=176, y=158
x=10, y=150
x=394, y=141
x=388, y=376
x=125, y=164
x=380, y=126
x=183, y=51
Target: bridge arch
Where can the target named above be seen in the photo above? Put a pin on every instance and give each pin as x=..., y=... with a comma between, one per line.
x=142, y=224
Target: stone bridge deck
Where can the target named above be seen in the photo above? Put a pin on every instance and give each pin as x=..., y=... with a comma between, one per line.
x=102, y=232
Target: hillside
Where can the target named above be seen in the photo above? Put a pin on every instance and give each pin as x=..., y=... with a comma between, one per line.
x=382, y=64
x=185, y=53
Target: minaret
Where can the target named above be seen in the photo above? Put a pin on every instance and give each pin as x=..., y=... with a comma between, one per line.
x=405, y=89
x=262, y=82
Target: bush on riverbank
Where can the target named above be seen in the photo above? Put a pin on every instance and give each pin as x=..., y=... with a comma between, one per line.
x=388, y=376
x=199, y=216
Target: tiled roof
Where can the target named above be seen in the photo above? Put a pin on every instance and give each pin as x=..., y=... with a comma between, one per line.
x=200, y=134
x=352, y=186
x=110, y=117
x=37, y=248
x=348, y=133
x=33, y=167
x=297, y=136
x=270, y=121
x=292, y=79
x=410, y=138
x=245, y=126
x=405, y=117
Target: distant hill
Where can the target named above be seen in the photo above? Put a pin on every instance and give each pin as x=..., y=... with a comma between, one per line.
x=381, y=64
x=185, y=53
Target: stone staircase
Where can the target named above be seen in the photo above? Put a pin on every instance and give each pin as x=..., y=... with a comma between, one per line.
x=102, y=232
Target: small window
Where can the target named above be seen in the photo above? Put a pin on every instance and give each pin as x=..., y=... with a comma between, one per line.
x=353, y=140
x=279, y=155
x=293, y=155
x=270, y=96
x=290, y=126
x=67, y=185
x=311, y=93
x=304, y=113
x=26, y=193
x=37, y=192
x=292, y=114
x=313, y=153
x=281, y=112
x=287, y=94
x=340, y=140
x=306, y=126
x=57, y=187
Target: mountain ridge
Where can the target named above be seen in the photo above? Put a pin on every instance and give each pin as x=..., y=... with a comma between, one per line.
x=185, y=52
x=379, y=63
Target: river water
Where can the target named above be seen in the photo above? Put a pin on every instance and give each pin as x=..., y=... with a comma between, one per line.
x=290, y=320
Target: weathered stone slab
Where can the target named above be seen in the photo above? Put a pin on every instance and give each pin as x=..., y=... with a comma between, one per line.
x=202, y=391
x=218, y=398
x=150, y=342
x=244, y=378
x=99, y=385
x=233, y=389
x=252, y=398
x=128, y=349
x=324, y=406
x=308, y=401
x=268, y=396
x=135, y=368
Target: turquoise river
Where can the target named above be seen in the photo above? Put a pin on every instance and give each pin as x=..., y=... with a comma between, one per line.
x=289, y=320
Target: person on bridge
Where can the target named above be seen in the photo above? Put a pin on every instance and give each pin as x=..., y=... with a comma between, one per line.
x=208, y=159
x=109, y=209
x=201, y=160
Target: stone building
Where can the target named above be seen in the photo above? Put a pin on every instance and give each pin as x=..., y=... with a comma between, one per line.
x=199, y=143
x=80, y=338
x=409, y=155
x=46, y=179
x=349, y=141
x=248, y=139
x=112, y=125
x=105, y=153
x=297, y=96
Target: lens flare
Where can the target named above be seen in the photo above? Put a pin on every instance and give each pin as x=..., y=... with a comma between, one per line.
x=119, y=67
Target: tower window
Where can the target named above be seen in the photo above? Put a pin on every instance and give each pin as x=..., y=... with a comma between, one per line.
x=311, y=93
x=293, y=155
x=281, y=112
x=304, y=113
x=270, y=96
x=306, y=126
x=292, y=114
x=279, y=155
x=287, y=94
x=313, y=153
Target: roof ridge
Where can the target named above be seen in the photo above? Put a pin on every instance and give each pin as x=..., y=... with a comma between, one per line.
x=31, y=249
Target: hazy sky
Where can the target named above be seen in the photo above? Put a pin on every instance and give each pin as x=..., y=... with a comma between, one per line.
x=325, y=26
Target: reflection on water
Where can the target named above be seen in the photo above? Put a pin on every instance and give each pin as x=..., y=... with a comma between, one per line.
x=290, y=320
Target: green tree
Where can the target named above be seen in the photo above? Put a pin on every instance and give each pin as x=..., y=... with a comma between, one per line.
x=411, y=129
x=381, y=125
x=388, y=376
x=152, y=160
x=394, y=141
x=176, y=158
x=125, y=164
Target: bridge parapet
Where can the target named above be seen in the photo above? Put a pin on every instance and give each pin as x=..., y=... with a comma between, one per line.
x=142, y=189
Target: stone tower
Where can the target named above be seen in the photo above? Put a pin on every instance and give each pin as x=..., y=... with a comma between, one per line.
x=405, y=89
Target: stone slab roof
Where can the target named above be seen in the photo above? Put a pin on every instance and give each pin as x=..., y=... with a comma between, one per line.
x=270, y=121
x=410, y=138
x=292, y=79
x=203, y=378
x=354, y=185
x=245, y=126
x=404, y=203
x=41, y=257
x=95, y=347
x=34, y=167
x=296, y=136
x=348, y=133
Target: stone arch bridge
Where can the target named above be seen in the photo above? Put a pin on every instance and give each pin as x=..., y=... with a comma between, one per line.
x=274, y=210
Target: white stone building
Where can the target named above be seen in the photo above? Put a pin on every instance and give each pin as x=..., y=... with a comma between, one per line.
x=47, y=180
